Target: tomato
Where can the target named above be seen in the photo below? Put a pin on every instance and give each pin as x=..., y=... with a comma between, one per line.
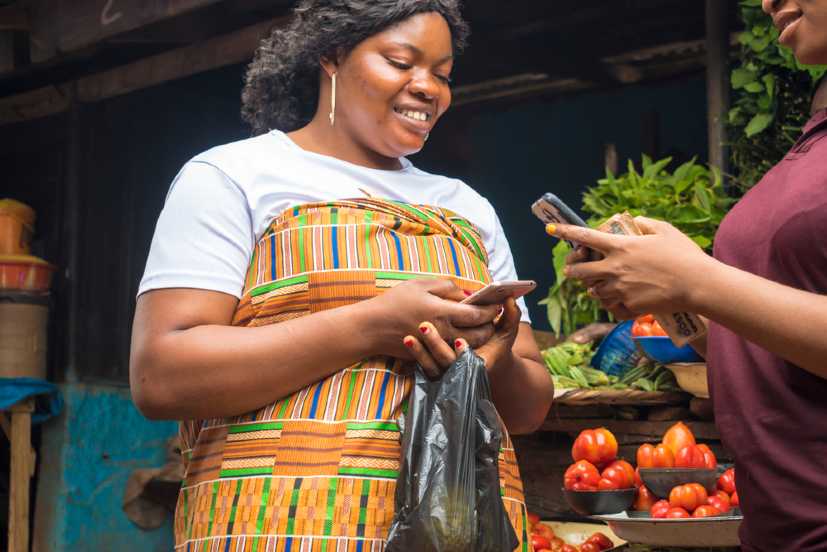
x=621, y=473
x=581, y=476
x=677, y=437
x=644, y=455
x=719, y=502
x=643, y=329
x=663, y=457
x=540, y=542
x=727, y=481
x=638, y=480
x=659, y=509
x=677, y=512
x=557, y=544
x=568, y=548
x=733, y=499
x=598, y=446
x=657, y=329
x=602, y=541
x=544, y=531
x=648, y=318
x=589, y=547
x=688, y=496
x=690, y=456
x=709, y=457
x=644, y=499
x=706, y=510
x=533, y=519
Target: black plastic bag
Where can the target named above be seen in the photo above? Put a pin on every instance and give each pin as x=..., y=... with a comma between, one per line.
x=448, y=491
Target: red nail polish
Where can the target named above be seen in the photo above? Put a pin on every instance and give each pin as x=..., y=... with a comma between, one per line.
x=457, y=344
x=408, y=342
x=466, y=292
x=424, y=329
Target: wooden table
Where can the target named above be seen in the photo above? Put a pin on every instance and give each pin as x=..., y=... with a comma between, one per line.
x=19, y=433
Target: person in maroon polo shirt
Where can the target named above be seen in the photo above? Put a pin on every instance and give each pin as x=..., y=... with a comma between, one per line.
x=765, y=295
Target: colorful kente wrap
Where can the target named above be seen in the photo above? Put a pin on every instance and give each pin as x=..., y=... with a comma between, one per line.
x=316, y=470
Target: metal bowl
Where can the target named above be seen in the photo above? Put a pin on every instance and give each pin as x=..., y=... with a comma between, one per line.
x=589, y=503
x=662, y=480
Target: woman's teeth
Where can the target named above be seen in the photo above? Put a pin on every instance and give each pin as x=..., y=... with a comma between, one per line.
x=415, y=115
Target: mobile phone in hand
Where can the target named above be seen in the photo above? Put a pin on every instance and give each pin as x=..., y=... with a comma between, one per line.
x=552, y=210
x=496, y=293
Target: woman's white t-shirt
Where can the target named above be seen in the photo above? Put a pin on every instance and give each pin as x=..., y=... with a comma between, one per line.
x=223, y=200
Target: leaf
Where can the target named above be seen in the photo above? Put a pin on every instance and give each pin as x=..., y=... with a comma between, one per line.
x=754, y=87
x=769, y=84
x=742, y=77
x=702, y=241
x=554, y=311
x=758, y=124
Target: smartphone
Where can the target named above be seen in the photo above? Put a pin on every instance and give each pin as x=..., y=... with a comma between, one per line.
x=496, y=293
x=552, y=209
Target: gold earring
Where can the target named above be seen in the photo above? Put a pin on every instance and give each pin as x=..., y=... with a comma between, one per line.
x=332, y=98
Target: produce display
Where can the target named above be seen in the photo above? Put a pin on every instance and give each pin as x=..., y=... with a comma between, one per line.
x=569, y=366
x=543, y=539
x=646, y=325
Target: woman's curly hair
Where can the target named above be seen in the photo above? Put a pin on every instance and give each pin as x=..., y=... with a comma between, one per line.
x=281, y=87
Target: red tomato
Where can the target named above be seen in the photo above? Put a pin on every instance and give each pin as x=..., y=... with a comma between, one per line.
x=709, y=457
x=722, y=504
x=621, y=473
x=638, y=480
x=533, y=519
x=688, y=496
x=598, y=446
x=641, y=329
x=568, y=548
x=557, y=544
x=644, y=455
x=602, y=541
x=657, y=329
x=733, y=499
x=581, y=476
x=544, y=531
x=690, y=456
x=648, y=318
x=706, y=510
x=727, y=481
x=589, y=547
x=659, y=509
x=677, y=513
x=663, y=457
x=677, y=437
x=540, y=542
x=644, y=499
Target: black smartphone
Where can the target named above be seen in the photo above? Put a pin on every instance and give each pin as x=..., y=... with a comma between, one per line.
x=552, y=209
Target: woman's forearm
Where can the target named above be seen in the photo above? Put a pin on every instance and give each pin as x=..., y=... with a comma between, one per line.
x=786, y=321
x=522, y=391
x=214, y=370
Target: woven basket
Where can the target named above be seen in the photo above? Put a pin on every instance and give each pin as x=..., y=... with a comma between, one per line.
x=582, y=397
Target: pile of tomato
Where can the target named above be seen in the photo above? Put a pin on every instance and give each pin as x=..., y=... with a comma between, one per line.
x=543, y=539
x=646, y=326
x=596, y=466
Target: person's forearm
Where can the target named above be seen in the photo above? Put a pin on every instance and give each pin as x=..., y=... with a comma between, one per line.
x=214, y=371
x=786, y=321
x=522, y=391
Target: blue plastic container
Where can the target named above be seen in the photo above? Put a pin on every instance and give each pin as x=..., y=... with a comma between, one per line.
x=617, y=352
x=661, y=349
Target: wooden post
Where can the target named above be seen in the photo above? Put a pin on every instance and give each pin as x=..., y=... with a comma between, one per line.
x=21, y=470
x=717, y=81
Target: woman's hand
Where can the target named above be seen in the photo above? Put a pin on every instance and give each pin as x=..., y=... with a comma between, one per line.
x=656, y=272
x=402, y=309
x=435, y=355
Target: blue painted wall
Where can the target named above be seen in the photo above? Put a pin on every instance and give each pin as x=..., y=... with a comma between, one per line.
x=86, y=456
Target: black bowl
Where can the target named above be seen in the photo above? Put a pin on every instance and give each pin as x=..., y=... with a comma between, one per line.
x=589, y=503
x=661, y=481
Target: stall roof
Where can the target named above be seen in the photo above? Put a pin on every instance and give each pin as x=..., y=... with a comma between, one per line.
x=53, y=50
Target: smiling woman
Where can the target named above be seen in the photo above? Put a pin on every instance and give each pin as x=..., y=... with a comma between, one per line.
x=295, y=277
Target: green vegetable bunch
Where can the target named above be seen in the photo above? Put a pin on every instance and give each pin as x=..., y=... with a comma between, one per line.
x=692, y=197
x=568, y=305
x=771, y=97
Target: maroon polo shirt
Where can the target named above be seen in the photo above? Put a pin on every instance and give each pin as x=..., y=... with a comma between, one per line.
x=771, y=414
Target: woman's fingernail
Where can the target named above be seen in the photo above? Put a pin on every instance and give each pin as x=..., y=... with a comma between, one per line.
x=408, y=341
x=466, y=292
x=424, y=329
x=458, y=344
x=551, y=229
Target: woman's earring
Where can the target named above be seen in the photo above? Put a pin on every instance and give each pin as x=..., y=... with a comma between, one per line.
x=426, y=137
x=332, y=98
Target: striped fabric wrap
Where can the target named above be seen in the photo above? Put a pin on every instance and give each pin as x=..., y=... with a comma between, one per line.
x=316, y=470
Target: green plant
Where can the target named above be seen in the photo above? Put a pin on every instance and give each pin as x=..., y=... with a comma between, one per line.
x=568, y=304
x=771, y=97
x=692, y=197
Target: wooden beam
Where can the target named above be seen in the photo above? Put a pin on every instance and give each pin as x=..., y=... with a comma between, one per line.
x=717, y=81
x=182, y=62
x=13, y=18
x=34, y=104
x=6, y=52
x=59, y=26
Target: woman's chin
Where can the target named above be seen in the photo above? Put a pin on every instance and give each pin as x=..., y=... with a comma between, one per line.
x=809, y=55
